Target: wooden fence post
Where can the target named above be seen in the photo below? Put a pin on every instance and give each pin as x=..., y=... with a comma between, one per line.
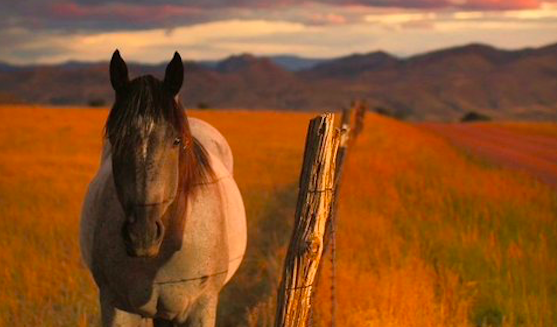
x=360, y=108
x=312, y=211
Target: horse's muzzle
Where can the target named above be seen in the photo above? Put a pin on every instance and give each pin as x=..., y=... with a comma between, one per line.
x=143, y=236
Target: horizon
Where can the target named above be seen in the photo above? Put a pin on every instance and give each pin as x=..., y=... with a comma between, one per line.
x=217, y=60
x=35, y=32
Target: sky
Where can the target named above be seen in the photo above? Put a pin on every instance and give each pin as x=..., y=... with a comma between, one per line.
x=42, y=31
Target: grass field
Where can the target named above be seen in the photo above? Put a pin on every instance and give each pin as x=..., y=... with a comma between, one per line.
x=530, y=148
x=427, y=235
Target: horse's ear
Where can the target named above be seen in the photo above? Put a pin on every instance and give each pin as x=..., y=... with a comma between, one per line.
x=118, y=72
x=174, y=75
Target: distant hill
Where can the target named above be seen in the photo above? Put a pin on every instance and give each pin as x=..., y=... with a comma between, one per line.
x=353, y=66
x=287, y=62
x=439, y=85
x=295, y=63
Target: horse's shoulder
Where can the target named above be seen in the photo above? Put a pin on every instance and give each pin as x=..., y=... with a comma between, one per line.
x=213, y=141
x=96, y=194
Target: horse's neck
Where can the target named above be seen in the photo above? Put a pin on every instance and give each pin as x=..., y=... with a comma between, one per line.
x=106, y=151
x=175, y=222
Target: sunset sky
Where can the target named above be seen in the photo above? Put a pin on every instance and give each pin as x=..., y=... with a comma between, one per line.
x=39, y=31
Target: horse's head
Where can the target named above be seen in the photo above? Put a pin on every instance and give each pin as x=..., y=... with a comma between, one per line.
x=146, y=131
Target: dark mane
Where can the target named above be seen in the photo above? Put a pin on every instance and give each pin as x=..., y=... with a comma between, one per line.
x=146, y=102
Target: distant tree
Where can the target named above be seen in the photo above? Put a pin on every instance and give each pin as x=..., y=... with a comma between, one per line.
x=96, y=102
x=399, y=114
x=203, y=106
x=8, y=98
x=473, y=116
x=383, y=111
x=62, y=101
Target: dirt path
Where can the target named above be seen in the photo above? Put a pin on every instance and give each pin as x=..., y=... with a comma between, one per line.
x=535, y=154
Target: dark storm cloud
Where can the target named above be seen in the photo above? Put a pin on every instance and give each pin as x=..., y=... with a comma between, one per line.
x=100, y=16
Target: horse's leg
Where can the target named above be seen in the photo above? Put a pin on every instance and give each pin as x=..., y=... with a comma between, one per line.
x=114, y=317
x=203, y=314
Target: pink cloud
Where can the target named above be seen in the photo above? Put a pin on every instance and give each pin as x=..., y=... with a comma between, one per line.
x=432, y=4
x=326, y=19
x=132, y=9
x=502, y=4
x=126, y=12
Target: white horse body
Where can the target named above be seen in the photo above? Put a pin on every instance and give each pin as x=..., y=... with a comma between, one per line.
x=183, y=283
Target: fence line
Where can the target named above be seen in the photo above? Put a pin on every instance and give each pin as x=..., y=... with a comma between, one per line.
x=312, y=211
x=316, y=214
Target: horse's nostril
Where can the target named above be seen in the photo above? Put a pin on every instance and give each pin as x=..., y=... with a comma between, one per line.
x=160, y=230
x=126, y=233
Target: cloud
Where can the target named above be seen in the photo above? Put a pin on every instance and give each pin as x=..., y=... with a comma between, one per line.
x=547, y=11
x=127, y=12
x=409, y=4
x=104, y=15
x=59, y=30
x=72, y=16
x=500, y=4
x=400, y=18
x=207, y=40
x=468, y=15
x=327, y=19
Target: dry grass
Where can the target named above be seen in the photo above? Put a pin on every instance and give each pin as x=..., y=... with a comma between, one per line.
x=541, y=129
x=427, y=236
x=440, y=239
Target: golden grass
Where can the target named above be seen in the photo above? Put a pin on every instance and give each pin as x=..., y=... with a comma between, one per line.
x=541, y=129
x=441, y=240
x=426, y=236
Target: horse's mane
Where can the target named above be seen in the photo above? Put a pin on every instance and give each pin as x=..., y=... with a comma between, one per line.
x=148, y=105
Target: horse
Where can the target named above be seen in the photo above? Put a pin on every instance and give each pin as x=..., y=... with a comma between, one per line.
x=163, y=225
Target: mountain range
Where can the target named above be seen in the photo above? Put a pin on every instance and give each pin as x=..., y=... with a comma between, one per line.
x=440, y=85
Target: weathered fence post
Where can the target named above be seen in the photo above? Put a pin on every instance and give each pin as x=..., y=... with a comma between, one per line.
x=312, y=211
x=360, y=108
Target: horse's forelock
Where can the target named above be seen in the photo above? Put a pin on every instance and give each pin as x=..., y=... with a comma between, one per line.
x=143, y=105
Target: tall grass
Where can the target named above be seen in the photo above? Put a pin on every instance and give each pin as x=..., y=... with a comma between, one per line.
x=427, y=236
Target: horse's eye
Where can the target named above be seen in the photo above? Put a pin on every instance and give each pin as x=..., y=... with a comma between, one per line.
x=177, y=141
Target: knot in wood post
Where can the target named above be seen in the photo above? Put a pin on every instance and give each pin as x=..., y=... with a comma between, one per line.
x=313, y=247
